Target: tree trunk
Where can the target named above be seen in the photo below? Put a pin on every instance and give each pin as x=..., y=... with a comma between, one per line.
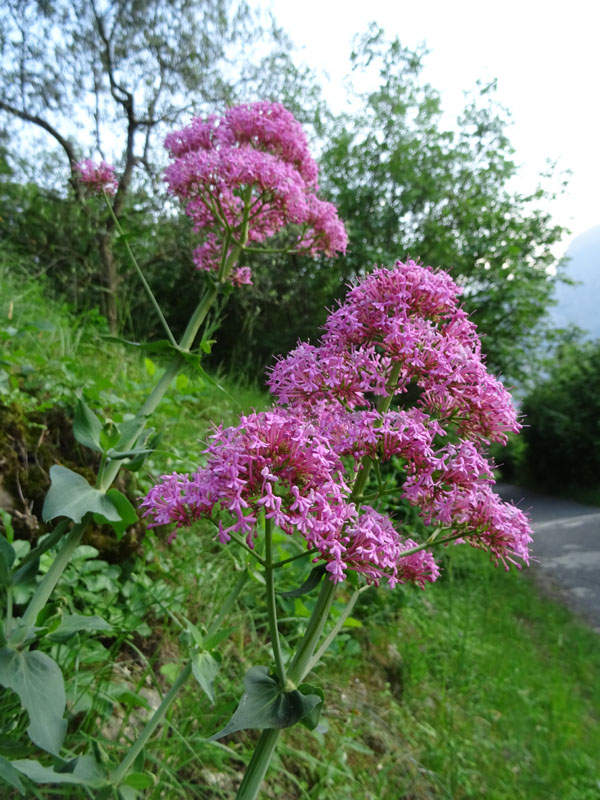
x=111, y=281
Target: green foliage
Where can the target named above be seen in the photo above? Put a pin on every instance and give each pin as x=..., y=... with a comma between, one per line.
x=265, y=704
x=409, y=187
x=562, y=432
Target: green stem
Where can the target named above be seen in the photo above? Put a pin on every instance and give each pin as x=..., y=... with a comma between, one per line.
x=299, y=665
x=335, y=630
x=259, y=763
x=298, y=668
x=271, y=602
x=51, y=578
x=121, y=771
x=141, y=276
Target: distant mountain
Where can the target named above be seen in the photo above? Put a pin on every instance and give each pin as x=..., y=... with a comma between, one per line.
x=580, y=304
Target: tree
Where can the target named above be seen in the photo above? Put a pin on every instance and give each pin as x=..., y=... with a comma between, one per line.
x=111, y=76
x=562, y=432
x=406, y=185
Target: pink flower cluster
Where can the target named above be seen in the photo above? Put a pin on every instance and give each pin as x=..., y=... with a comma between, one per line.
x=398, y=374
x=407, y=323
x=250, y=173
x=98, y=178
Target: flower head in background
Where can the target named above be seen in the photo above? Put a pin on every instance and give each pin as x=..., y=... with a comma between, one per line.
x=97, y=178
x=248, y=175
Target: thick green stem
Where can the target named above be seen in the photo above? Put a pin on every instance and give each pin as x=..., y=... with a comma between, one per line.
x=298, y=668
x=51, y=578
x=271, y=602
x=335, y=630
x=121, y=771
x=259, y=763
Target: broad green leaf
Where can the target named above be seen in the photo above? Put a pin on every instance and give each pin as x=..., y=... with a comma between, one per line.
x=9, y=774
x=182, y=382
x=311, y=720
x=87, y=427
x=86, y=772
x=70, y=495
x=170, y=671
x=265, y=704
x=139, y=780
x=313, y=580
x=38, y=681
x=127, y=513
x=75, y=623
x=205, y=668
x=150, y=366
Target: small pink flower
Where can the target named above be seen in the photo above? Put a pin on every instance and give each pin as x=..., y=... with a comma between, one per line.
x=98, y=178
x=241, y=276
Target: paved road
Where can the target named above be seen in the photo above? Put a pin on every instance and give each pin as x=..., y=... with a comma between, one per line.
x=566, y=546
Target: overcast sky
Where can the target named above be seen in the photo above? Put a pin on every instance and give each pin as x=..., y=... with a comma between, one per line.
x=545, y=55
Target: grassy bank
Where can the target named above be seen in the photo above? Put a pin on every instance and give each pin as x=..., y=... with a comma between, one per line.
x=475, y=688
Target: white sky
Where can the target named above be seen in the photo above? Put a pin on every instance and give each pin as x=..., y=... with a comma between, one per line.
x=545, y=55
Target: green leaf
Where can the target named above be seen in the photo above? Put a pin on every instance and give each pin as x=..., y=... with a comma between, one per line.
x=130, y=429
x=313, y=580
x=205, y=668
x=150, y=366
x=70, y=495
x=170, y=671
x=86, y=772
x=182, y=382
x=109, y=435
x=7, y=522
x=265, y=704
x=127, y=513
x=87, y=427
x=311, y=720
x=7, y=557
x=75, y=623
x=133, y=700
x=25, y=573
x=7, y=550
x=9, y=774
x=139, y=780
x=210, y=642
x=352, y=622
x=38, y=681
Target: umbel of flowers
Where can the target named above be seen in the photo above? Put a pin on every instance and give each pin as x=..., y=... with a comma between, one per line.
x=245, y=176
x=398, y=373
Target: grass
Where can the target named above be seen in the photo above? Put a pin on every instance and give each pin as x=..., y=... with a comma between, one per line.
x=477, y=687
